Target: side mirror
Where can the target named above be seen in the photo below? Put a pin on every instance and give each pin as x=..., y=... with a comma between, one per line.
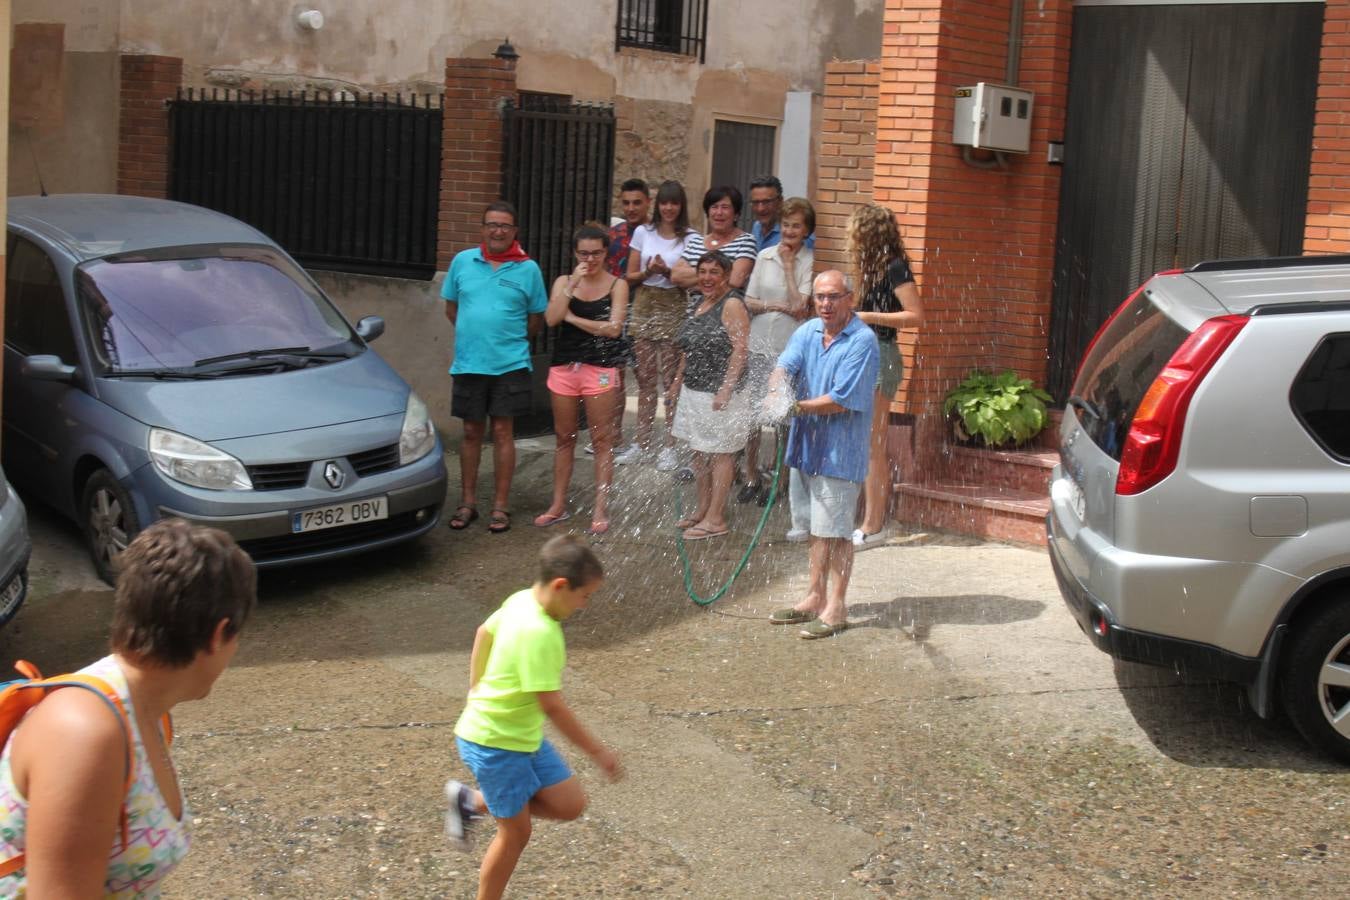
x=47, y=368
x=369, y=328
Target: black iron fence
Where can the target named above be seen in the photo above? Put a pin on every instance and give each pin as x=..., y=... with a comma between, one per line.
x=558, y=171
x=342, y=182
x=672, y=26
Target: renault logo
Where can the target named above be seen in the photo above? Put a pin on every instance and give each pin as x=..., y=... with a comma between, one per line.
x=333, y=474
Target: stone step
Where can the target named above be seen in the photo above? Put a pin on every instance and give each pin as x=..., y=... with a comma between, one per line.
x=1019, y=470
x=989, y=511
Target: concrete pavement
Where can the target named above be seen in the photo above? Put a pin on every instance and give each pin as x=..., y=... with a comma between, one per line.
x=962, y=739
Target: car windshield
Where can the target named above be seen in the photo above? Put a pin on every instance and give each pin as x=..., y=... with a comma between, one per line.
x=1120, y=367
x=173, y=310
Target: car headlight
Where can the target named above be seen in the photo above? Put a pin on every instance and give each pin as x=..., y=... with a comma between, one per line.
x=192, y=462
x=418, y=435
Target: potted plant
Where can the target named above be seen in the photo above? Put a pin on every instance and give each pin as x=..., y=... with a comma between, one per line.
x=996, y=411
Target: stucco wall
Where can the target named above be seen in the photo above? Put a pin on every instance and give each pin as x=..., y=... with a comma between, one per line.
x=69, y=132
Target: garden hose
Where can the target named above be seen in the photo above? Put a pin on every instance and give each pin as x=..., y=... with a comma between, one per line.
x=754, y=538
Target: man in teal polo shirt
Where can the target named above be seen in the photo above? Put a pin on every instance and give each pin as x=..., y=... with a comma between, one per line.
x=495, y=299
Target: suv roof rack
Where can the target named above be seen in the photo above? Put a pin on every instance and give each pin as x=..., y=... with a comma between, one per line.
x=1271, y=262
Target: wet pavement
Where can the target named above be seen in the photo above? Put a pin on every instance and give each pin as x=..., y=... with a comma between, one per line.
x=963, y=739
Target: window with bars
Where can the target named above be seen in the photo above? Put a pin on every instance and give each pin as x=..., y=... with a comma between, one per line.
x=672, y=26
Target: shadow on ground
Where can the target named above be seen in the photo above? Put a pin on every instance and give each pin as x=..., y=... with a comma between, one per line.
x=1210, y=724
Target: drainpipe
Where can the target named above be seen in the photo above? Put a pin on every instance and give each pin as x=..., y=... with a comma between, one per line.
x=1014, y=42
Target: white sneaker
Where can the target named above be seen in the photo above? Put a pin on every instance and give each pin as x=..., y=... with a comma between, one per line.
x=458, y=817
x=630, y=454
x=868, y=541
x=667, y=460
x=590, y=449
x=798, y=536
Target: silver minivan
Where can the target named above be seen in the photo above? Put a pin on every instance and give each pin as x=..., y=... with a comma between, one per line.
x=1200, y=513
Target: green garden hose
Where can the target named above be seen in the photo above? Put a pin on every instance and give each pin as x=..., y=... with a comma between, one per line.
x=754, y=538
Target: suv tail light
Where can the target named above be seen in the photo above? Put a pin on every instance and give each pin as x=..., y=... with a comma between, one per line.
x=1154, y=441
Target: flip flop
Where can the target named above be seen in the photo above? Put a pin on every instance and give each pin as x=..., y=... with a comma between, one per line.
x=790, y=616
x=702, y=534
x=686, y=523
x=501, y=521
x=598, y=528
x=818, y=629
x=544, y=520
x=462, y=518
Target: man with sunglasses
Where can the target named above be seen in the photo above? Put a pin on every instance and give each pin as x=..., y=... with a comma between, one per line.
x=495, y=299
x=766, y=205
x=826, y=379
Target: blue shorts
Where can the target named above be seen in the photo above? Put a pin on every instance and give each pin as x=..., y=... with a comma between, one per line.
x=509, y=778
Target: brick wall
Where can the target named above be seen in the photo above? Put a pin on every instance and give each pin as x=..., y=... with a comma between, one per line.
x=982, y=241
x=471, y=149
x=1328, y=225
x=147, y=83
x=847, y=151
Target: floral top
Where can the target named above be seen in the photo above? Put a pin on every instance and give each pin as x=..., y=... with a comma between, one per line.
x=157, y=842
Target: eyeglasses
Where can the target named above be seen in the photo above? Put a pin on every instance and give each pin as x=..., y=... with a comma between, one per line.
x=832, y=298
x=590, y=254
x=498, y=226
x=766, y=202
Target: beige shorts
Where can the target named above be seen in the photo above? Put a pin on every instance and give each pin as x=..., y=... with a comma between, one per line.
x=657, y=313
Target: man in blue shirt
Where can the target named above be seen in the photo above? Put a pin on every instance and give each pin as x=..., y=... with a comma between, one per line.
x=830, y=366
x=766, y=204
x=495, y=299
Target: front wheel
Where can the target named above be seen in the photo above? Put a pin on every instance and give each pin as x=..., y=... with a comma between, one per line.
x=109, y=521
x=1316, y=683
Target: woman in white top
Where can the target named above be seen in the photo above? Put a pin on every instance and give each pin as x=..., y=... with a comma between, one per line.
x=659, y=309
x=778, y=298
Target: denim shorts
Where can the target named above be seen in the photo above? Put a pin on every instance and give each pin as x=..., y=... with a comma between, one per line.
x=824, y=506
x=509, y=778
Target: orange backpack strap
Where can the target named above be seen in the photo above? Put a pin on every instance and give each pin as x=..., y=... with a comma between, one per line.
x=20, y=697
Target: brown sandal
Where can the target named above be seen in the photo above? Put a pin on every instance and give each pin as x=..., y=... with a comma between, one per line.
x=462, y=518
x=499, y=521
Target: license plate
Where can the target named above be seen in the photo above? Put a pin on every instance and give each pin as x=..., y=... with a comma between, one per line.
x=1076, y=500
x=352, y=512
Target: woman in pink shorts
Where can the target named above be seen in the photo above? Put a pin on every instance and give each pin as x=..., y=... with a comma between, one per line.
x=588, y=307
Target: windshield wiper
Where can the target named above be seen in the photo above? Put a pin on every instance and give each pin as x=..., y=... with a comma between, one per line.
x=297, y=357
x=162, y=374
x=1086, y=406
x=253, y=354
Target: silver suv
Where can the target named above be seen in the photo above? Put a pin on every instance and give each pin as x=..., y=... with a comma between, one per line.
x=1200, y=513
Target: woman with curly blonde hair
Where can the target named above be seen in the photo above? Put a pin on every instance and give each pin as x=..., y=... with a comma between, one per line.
x=888, y=301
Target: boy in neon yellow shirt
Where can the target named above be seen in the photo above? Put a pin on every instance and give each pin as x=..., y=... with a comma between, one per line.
x=515, y=682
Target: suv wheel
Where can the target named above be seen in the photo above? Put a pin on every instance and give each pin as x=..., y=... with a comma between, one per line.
x=1316, y=683
x=109, y=521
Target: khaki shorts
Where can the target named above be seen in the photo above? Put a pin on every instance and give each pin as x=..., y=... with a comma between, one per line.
x=657, y=313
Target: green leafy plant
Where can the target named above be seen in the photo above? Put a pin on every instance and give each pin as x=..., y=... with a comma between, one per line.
x=996, y=410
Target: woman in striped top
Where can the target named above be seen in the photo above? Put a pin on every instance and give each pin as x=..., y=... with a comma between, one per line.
x=721, y=209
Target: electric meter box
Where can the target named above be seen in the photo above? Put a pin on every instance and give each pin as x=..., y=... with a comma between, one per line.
x=993, y=117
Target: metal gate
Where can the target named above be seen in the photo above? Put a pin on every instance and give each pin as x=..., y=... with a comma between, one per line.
x=558, y=172
x=342, y=182
x=1188, y=137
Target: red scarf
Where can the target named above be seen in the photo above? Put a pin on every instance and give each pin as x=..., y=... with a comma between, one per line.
x=511, y=254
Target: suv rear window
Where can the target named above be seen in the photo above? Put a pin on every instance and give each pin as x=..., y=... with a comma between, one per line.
x=1321, y=395
x=1118, y=369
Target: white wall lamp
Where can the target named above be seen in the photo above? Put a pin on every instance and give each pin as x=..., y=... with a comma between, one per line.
x=311, y=19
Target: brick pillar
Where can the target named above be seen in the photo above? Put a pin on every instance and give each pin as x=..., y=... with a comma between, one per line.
x=148, y=82
x=982, y=241
x=471, y=149
x=1327, y=229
